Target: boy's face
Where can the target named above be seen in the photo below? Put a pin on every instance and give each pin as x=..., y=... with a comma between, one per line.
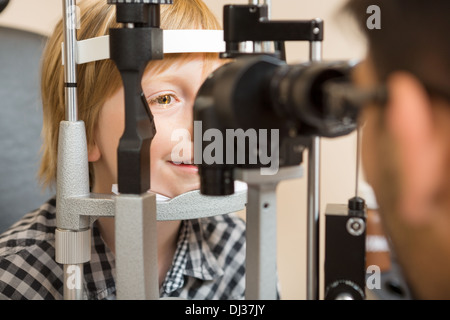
x=170, y=96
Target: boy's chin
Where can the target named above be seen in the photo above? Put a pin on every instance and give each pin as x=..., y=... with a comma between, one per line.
x=187, y=188
x=175, y=191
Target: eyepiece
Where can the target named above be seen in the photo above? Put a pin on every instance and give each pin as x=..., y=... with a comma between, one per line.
x=300, y=92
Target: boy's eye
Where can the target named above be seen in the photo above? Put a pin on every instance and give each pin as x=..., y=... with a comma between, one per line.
x=164, y=100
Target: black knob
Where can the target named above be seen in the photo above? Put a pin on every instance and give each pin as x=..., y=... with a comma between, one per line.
x=356, y=203
x=3, y=4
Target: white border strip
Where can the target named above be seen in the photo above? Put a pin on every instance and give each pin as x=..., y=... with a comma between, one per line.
x=179, y=41
x=174, y=41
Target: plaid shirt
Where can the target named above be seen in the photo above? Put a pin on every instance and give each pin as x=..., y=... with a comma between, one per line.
x=209, y=262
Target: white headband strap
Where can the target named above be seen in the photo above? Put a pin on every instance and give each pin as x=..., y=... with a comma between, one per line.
x=179, y=41
x=174, y=41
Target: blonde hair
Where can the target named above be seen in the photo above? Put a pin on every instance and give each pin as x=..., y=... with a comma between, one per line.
x=97, y=81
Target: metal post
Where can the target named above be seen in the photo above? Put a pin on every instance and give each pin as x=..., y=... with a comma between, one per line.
x=73, y=289
x=72, y=234
x=136, y=247
x=261, y=282
x=268, y=46
x=70, y=76
x=313, y=219
x=261, y=250
x=313, y=214
x=268, y=3
x=258, y=46
x=315, y=53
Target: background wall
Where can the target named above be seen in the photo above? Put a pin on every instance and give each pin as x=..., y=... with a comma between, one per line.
x=337, y=157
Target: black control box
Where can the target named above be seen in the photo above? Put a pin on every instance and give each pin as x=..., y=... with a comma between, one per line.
x=345, y=251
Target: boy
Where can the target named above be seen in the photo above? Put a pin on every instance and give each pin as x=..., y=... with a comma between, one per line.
x=197, y=259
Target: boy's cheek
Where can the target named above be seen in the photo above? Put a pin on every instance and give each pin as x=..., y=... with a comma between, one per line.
x=168, y=135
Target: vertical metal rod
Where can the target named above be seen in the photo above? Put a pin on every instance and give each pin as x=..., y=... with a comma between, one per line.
x=313, y=218
x=268, y=46
x=70, y=40
x=268, y=3
x=313, y=214
x=136, y=247
x=261, y=234
x=71, y=114
x=73, y=281
x=358, y=155
x=316, y=51
x=261, y=279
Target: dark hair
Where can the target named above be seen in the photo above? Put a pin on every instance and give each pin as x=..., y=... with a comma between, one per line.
x=414, y=37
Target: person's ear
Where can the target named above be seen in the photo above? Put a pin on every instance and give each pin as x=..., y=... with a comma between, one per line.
x=410, y=121
x=94, y=153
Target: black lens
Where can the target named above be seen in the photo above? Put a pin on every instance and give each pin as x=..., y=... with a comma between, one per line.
x=299, y=92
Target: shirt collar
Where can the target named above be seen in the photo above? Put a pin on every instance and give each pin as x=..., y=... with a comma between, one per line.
x=100, y=271
x=201, y=263
x=193, y=258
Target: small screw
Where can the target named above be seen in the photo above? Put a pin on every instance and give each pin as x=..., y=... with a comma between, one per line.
x=355, y=226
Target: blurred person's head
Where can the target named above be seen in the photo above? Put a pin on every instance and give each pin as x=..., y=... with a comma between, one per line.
x=406, y=142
